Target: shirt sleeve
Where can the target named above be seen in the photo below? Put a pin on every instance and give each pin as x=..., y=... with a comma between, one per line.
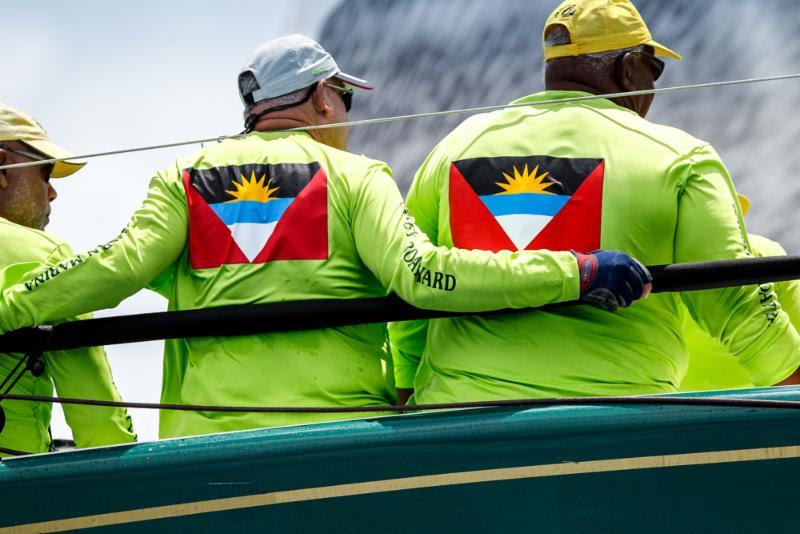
x=101, y=278
x=84, y=373
x=406, y=263
x=408, y=339
x=789, y=291
x=747, y=320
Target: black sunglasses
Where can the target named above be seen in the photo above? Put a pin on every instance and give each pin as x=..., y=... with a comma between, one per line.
x=345, y=93
x=656, y=65
x=47, y=167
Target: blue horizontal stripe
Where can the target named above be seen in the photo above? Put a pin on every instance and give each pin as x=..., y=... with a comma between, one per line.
x=524, y=203
x=250, y=211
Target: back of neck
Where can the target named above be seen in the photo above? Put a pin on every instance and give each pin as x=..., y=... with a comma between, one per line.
x=565, y=85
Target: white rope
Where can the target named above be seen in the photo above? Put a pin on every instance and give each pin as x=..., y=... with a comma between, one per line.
x=397, y=118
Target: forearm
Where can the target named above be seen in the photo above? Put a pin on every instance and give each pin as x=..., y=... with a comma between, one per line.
x=474, y=281
x=408, y=264
x=102, y=277
x=98, y=279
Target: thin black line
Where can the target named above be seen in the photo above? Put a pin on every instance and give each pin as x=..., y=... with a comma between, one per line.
x=567, y=401
x=14, y=452
x=14, y=370
x=256, y=319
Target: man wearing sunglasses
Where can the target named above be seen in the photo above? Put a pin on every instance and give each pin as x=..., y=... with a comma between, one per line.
x=583, y=175
x=25, y=197
x=285, y=213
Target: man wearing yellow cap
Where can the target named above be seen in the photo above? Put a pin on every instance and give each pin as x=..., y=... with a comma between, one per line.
x=562, y=174
x=711, y=366
x=25, y=197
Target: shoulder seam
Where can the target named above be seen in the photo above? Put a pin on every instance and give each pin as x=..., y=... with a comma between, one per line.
x=700, y=143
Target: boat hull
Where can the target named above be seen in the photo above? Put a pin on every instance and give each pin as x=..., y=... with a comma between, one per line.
x=550, y=469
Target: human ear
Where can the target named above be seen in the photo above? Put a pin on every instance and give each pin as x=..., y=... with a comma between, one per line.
x=626, y=72
x=321, y=101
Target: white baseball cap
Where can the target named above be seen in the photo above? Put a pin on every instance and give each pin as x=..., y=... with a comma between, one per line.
x=287, y=64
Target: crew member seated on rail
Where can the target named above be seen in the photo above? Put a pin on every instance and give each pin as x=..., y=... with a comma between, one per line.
x=25, y=197
x=710, y=364
x=289, y=215
x=584, y=175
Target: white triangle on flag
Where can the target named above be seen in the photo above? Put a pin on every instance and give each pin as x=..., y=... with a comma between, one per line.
x=522, y=228
x=252, y=237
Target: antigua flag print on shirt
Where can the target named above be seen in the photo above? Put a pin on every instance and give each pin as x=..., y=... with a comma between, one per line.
x=526, y=203
x=256, y=213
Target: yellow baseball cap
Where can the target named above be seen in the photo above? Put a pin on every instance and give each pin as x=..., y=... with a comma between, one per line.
x=599, y=26
x=18, y=126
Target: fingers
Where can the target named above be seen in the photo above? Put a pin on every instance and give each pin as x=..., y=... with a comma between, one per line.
x=636, y=283
x=648, y=288
x=617, y=279
x=640, y=280
x=626, y=296
x=602, y=298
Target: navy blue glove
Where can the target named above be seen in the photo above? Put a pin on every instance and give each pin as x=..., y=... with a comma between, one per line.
x=610, y=279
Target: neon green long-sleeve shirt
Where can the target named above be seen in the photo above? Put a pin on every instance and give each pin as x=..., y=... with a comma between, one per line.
x=75, y=373
x=267, y=218
x=710, y=365
x=583, y=175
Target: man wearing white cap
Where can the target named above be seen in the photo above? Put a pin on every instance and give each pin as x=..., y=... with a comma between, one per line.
x=25, y=197
x=280, y=215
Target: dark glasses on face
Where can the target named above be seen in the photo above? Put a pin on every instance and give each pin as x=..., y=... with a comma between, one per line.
x=29, y=155
x=345, y=93
x=47, y=168
x=655, y=64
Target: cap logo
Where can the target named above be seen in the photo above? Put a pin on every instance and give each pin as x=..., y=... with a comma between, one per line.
x=566, y=12
x=319, y=70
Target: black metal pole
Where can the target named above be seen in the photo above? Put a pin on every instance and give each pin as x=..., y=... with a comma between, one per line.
x=313, y=314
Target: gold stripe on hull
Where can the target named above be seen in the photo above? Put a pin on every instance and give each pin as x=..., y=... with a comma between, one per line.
x=409, y=483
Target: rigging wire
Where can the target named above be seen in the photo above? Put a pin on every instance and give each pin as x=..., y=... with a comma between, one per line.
x=650, y=400
x=580, y=401
x=397, y=118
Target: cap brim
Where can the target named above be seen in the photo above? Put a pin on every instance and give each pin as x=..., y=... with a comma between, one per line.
x=744, y=203
x=355, y=82
x=661, y=50
x=61, y=168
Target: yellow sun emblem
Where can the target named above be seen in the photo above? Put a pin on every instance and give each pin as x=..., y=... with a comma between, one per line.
x=525, y=182
x=252, y=189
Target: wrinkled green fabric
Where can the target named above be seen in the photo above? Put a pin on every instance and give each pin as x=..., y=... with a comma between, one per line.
x=82, y=373
x=374, y=249
x=710, y=365
x=667, y=198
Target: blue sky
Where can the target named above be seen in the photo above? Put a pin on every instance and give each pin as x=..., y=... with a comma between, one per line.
x=104, y=75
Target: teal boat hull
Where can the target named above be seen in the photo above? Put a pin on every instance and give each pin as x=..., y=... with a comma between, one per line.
x=548, y=469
